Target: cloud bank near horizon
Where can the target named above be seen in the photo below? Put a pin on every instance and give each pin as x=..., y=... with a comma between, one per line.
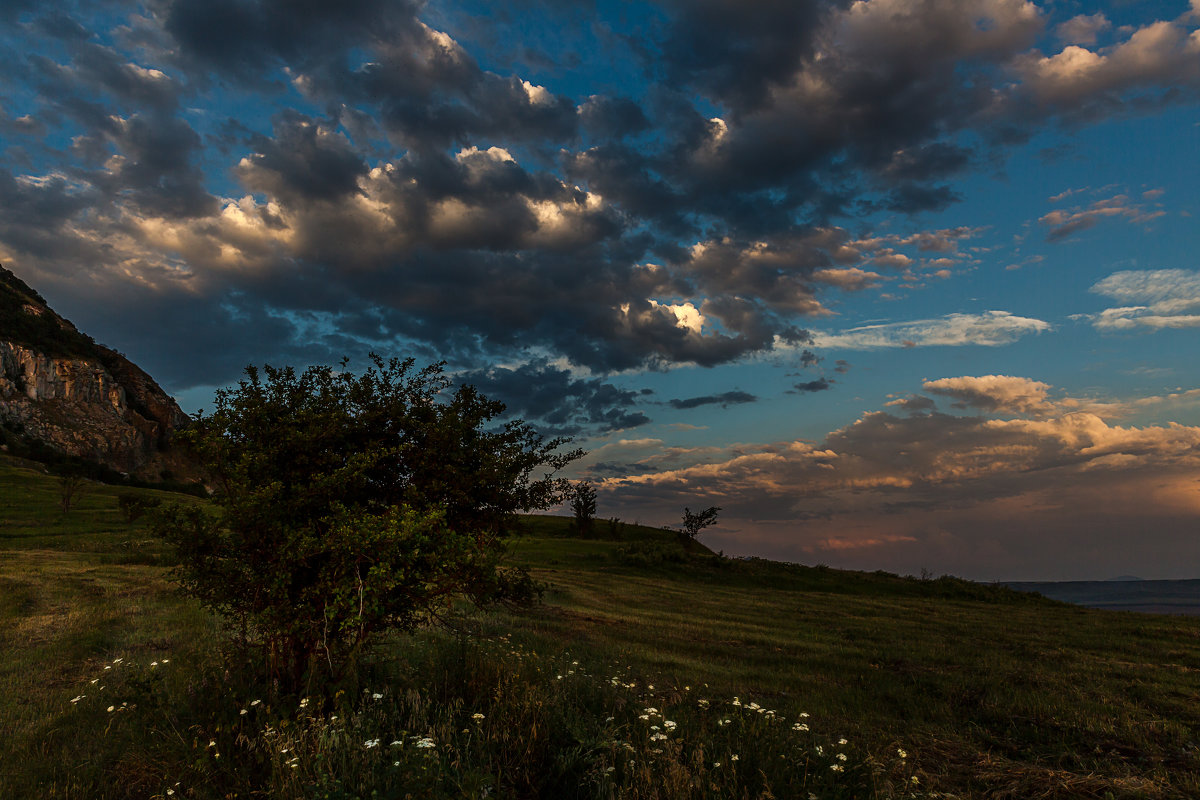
x=887, y=482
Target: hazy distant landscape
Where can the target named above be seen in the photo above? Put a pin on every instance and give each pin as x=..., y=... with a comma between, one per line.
x=1146, y=596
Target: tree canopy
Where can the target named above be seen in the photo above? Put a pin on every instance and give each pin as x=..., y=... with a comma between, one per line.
x=353, y=504
x=693, y=523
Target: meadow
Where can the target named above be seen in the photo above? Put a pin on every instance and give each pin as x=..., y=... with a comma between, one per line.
x=649, y=670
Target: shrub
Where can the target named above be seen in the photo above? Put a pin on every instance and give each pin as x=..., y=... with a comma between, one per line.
x=583, y=504
x=134, y=506
x=353, y=505
x=651, y=554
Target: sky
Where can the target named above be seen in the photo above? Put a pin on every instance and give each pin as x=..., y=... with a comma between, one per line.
x=907, y=285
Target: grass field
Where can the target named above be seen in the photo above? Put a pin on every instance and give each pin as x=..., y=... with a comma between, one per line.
x=988, y=692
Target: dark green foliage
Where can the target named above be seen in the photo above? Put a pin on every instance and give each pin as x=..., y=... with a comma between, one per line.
x=15, y=442
x=616, y=528
x=43, y=332
x=694, y=523
x=353, y=505
x=134, y=506
x=583, y=505
x=651, y=554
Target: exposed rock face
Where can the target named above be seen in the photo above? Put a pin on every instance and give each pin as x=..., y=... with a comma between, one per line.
x=78, y=397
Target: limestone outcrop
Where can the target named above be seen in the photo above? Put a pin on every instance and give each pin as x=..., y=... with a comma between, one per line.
x=60, y=388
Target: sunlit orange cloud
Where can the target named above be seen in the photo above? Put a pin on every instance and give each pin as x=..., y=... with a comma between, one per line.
x=1065, y=496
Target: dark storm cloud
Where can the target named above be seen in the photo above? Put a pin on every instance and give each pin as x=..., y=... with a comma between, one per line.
x=819, y=385
x=553, y=399
x=242, y=37
x=927, y=162
x=14, y=8
x=737, y=50
x=302, y=162
x=612, y=117
x=629, y=177
x=155, y=165
x=913, y=198
x=58, y=24
x=34, y=213
x=725, y=399
x=106, y=70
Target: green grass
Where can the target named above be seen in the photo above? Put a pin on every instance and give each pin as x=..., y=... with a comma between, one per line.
x=991, y=693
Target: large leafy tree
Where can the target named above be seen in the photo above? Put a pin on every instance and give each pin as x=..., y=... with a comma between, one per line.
x=352, y=504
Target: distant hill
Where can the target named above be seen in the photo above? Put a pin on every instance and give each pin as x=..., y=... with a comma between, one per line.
x=64, y=397
x=1123, y=594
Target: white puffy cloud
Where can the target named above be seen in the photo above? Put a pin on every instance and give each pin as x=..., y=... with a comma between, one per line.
x=1162, y=53
x=1004, y=393
x=1083, y=28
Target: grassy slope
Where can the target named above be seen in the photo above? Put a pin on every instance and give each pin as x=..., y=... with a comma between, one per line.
x=993, y=693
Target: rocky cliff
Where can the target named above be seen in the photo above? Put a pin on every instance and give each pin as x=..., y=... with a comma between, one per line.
x=58, y=387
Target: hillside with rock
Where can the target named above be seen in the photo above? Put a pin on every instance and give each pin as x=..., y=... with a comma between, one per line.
x=61, y=390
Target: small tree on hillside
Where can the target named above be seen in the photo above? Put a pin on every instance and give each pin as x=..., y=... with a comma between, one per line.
x=694, y=523
x=70, y=487
x=583, y=503
x=354, y=504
